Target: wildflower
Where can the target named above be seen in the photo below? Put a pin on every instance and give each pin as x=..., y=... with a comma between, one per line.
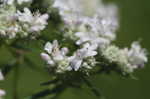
x=2, y=93
x=56, y=57
x=137, y=56
x=127, y=59
x=97, y=29
x=47, y=58
x=11, y=2
x=91, y=33
x=88, y=50
x=102, y=24
x=21, y=24
x=32, y=23
x=82, y=57
x=92, y=38
x=1, y=76
x=23, y=1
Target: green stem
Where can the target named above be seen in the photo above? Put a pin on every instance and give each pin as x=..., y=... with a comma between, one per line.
x=55, y=91
x=19, y=56
x=15, y=83
x=92, y=87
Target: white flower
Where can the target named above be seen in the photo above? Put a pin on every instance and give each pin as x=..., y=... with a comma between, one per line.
x=11, y=2
x=48, y=47
x=23, y=1
x=1, y=76
x=137, y=55
x=60, y=4
x=105, y=26
x=53, y=49
x=119, y=56
x=127, y=59
x=34, y=23
x=89, y=63
x=8, y=24
x=21, y=24
x=76, y=6
x=75, y=62
x=88, y=50
x=91, y=38
x=47, y=58
x=97, y=28
x=57, y=57
x=26, y=16
x=66, y=6
x=103, y=22
x=114, y=54
x=12, y=31
x=81, y=56
x=2, y=93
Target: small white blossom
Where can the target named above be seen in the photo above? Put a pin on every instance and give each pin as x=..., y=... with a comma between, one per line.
x=137, y=55
x=1, y=76
x=47, y=58
x=128, y=59
x=56, y=57
x=75, y=62
x=106, y=14
x=119, y=56
x=21, y=24
x=82, y=56
x=92, y=38
x=23, y=1
x=33, y=23
x=67, y=6
x=2, y=93
x=88, y=50
x=98, y=28
x=11, y=2
x=48, y=47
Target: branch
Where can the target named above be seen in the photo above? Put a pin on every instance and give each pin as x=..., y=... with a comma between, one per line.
x=56, y=90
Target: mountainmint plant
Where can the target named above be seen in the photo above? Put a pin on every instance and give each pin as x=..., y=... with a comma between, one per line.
x=76, y=42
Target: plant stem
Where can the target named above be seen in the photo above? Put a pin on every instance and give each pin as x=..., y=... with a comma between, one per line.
x=92, y=87
x=15, y=83
x=56, y=90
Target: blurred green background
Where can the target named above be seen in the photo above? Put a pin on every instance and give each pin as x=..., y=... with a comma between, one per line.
x=134, y=25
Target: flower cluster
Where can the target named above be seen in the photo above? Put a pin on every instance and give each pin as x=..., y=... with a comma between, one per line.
x=57, y=58
x=93, y=33
x=11, y=2
x=82, y=47
x=97, y=28
x=15, y=23
x=127, y=59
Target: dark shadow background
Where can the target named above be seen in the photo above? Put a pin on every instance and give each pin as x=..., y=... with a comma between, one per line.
x=134, y=25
